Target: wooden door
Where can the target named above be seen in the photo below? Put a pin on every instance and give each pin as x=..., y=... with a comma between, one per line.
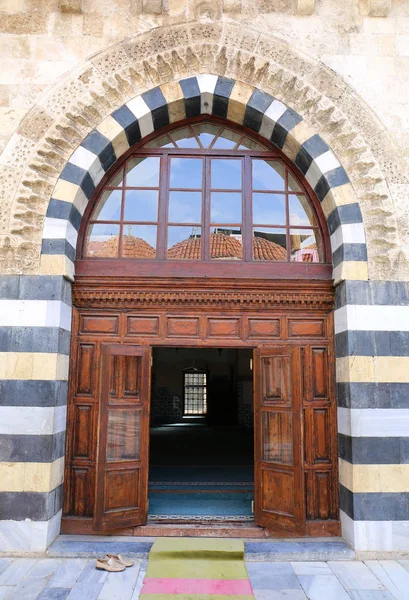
x=279, y=489
x=123, y=446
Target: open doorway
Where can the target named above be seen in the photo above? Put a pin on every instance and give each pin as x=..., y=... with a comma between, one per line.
x=201, y=465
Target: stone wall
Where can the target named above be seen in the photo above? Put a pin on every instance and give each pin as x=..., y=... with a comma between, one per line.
x=327, y=82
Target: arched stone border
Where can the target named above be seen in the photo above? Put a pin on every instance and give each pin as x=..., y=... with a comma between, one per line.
x=222, y=97
x=65, y=115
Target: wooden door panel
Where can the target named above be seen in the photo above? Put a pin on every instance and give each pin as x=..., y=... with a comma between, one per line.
x=321, y=435
x=279, y=484
x=85, y=373
x=319, y=358
x=82, y=446
x=122, y=463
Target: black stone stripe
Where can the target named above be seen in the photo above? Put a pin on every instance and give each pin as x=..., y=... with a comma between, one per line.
x=343, y=215
x=372, y=395
x=311, y=149
x=38, y=506
x=382, y=293
x=373, y=450
x=191, y=93
x=255, y=109
x=102, y=147
x=355, y=252
x=32, y=448
x=380, y=506
x=35, y=287
x=79, y=176
x=332, y=179
x=58, y=246
x=221, y=95
x=35, y=339
x=125, y=117
x=372, y=343
x=16, y=392
x=59, y=209
x=158, y=106
x=285, y=123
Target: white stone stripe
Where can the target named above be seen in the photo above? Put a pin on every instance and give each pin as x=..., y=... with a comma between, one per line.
x=32, y=420
x=60, y=229
x=207, y=85
x=29, y=536
x=87, y=160
x=35, y=313
x=381, y=536
x=270, y=118
x=357, y=317
x=322, y=164
x=352, y=233
x=143, y=113
x=373, y=422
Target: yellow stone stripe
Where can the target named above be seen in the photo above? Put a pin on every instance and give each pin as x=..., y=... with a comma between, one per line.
x=112, y=130
x=240, y=95
x=65, y=190
x=338, y=196
x=175, y=100
x=295, y=138
x=33, y=365
x=351, y=270
x=31, y=477
x=373, y=369
x=374, y=478
x=56, y=264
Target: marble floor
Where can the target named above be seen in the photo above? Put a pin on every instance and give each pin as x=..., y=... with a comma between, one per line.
x=77, y=579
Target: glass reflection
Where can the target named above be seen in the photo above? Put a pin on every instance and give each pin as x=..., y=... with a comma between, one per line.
x=143, y=172
x=185, y=207
x=226, y=207
x=162, y=142
x=117, y=180
x=102, y=241
x=226, y=173
x=139, y=241
x=141, y=205
x=269, y=244
x=109, y=206
x=206, y=133
x=186, y=173
x=268, y=175
x=269, y=209
x=226, y=243
x=123, y=435
x=293, y=185
x=185, y=138
x=248, y=144
x=277, y=437
x=227, y=140
x=300, y=211
x=184, y=243
x=305, y=245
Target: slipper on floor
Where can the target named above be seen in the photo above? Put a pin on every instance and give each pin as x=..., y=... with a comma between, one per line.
x=109, y=564
x=121, y=559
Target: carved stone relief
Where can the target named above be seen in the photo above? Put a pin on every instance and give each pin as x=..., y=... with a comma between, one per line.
x=72, y=108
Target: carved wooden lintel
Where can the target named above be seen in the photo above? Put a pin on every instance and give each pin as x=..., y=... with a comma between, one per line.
x=217, y=294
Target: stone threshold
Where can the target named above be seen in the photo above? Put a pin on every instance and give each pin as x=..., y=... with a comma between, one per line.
x=311, y=549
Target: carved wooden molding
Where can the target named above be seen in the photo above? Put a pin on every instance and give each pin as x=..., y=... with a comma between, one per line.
x=216, y=294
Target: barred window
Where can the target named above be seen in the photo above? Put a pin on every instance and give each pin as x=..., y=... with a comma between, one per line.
x=195, y=392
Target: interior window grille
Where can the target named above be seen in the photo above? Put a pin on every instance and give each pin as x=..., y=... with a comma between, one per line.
x=195, y=393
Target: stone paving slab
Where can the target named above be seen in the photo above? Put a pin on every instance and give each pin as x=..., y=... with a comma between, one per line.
x=77, y=579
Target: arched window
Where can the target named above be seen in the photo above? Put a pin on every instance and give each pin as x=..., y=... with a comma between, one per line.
x=205, y=193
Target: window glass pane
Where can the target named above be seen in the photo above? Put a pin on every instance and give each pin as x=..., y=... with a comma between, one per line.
x=268, y=175
x=143, y=172
x=293, y=185
x=123, y=435
x=249, y=144
x=102, y=241
x=195, y=394
x=185, y=207
x=226, y=243
x=300, y=210
x=226, y=207
x=306, y=245
x=141, y=205
x=269, y=209
x=139, y=241
x=206, y=132
x=226, y=173
x=185, y=138
x=186, y=173
x=227, y=140
x=117, y=180
x=162, y=142
x=277, y=435
x=269, y=244
x=108, y=207
x=184, y=243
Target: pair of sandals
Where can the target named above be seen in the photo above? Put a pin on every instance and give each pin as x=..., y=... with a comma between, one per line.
x=114, y=563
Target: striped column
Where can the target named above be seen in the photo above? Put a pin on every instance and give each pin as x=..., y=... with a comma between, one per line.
x=372, y=372
x=35, y=324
